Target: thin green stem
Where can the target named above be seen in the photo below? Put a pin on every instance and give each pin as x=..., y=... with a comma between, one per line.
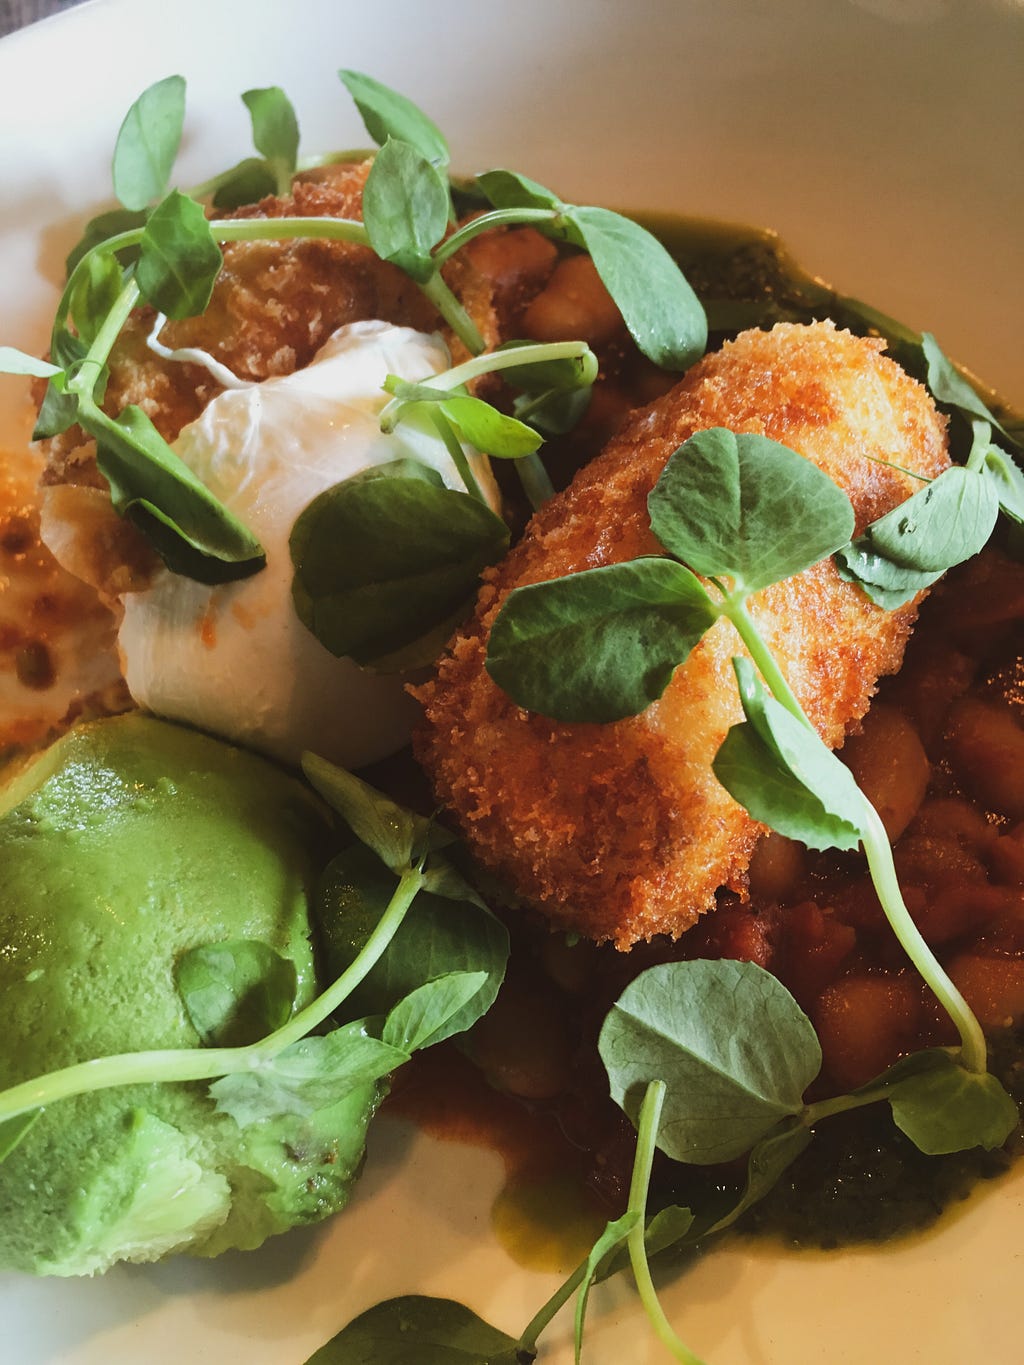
x=484, y=223
x=883, y=873
x=199, y=1064
x=541, y=1320
x=451, y=309
x=537, y=353
x=735, y=608
x=444, y=429
x=647, y=1132
x=878, y=852
x=535, y=480
x=90, y=368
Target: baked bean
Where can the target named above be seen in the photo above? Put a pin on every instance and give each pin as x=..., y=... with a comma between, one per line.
x=776, y=868
x=864, y=1024
x=573, y=306
x=522, y=1043
x=517, y=261
x=934, y=863
x=891, y=767
x=992, y=986
x=986, y=746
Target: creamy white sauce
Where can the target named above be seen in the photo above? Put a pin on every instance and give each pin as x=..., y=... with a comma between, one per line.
x=235, y=659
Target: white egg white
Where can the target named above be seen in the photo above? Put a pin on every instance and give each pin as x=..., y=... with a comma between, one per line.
x=235, y=659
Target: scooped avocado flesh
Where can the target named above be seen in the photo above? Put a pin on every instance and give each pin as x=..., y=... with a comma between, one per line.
x=128, y=843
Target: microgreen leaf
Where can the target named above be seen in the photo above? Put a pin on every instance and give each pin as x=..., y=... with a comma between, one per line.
x=949, y=386
x=661, y=311
x=179, y=261
x=488, y=430
x=397, y=835
x=447, y=929
x=245, y=183
x=729, y=1041
x=101, y=228
x=148, y=142
x=388, y=114
x=237, y=991
x=310, y=1075
x=779, y=769
x=275, y=130
x=405, y=208
x=13, y=1130
x=96, y=289
x=887, y=584
x=941, y=525
x=416, y=1330
x=570, y=373
x=511, y=190
x=946, y=1108
x=13, y=361
x=611, y=1239
x=155, y=490
x=424, y=1016
x=1006, y=477
x=388, y=555
x=601, y=644
x=748, y=508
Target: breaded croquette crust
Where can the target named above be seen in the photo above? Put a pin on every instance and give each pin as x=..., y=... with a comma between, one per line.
x=622, y=831
x=273, y=306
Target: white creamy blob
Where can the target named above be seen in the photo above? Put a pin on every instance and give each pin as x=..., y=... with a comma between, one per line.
x=235, y=659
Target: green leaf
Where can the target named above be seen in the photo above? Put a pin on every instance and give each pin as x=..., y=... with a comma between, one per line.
x=1007, y=479
x=148, y=142
x=237, y=991
x=405, y=208
x=179, y=261
x=275, y=129
x=733, y=1047
x=96, y=289
x=570, y=374
x=602, y=1252
x=945, y=523
x=60, y=409
x=13, y=361
x=947, y=1108
x=748, y=508
x=389, y=114
x=13, y=1130
x=948, y=385
x=101, y=228
x=446, y=930
x=780, y=770
x=768, y=1160
x=488, y=430
x=308, y=1076
x=510, y=190
x=245, y=183
x=601, y=644
x=149, y=485
x=397, y=835
x=416, y=1330
x=663, y=314
x=887, y=584
x=424, y=1016
x=387, y=556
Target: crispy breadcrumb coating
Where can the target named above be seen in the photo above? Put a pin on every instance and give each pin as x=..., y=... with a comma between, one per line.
x=622, y=831
x=274, y=305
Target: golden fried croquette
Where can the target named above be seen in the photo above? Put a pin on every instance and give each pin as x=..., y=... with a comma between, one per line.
x=621, y=831
x=274, y=305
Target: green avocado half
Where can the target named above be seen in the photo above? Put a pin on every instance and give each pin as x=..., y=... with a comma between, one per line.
x=124, y=846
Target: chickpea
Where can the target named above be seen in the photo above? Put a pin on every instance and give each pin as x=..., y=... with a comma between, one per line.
x=889, y=762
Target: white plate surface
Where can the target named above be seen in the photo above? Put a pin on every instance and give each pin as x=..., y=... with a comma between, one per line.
x=882, y=139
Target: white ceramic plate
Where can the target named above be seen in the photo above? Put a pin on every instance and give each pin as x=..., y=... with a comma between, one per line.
x=881, y=138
